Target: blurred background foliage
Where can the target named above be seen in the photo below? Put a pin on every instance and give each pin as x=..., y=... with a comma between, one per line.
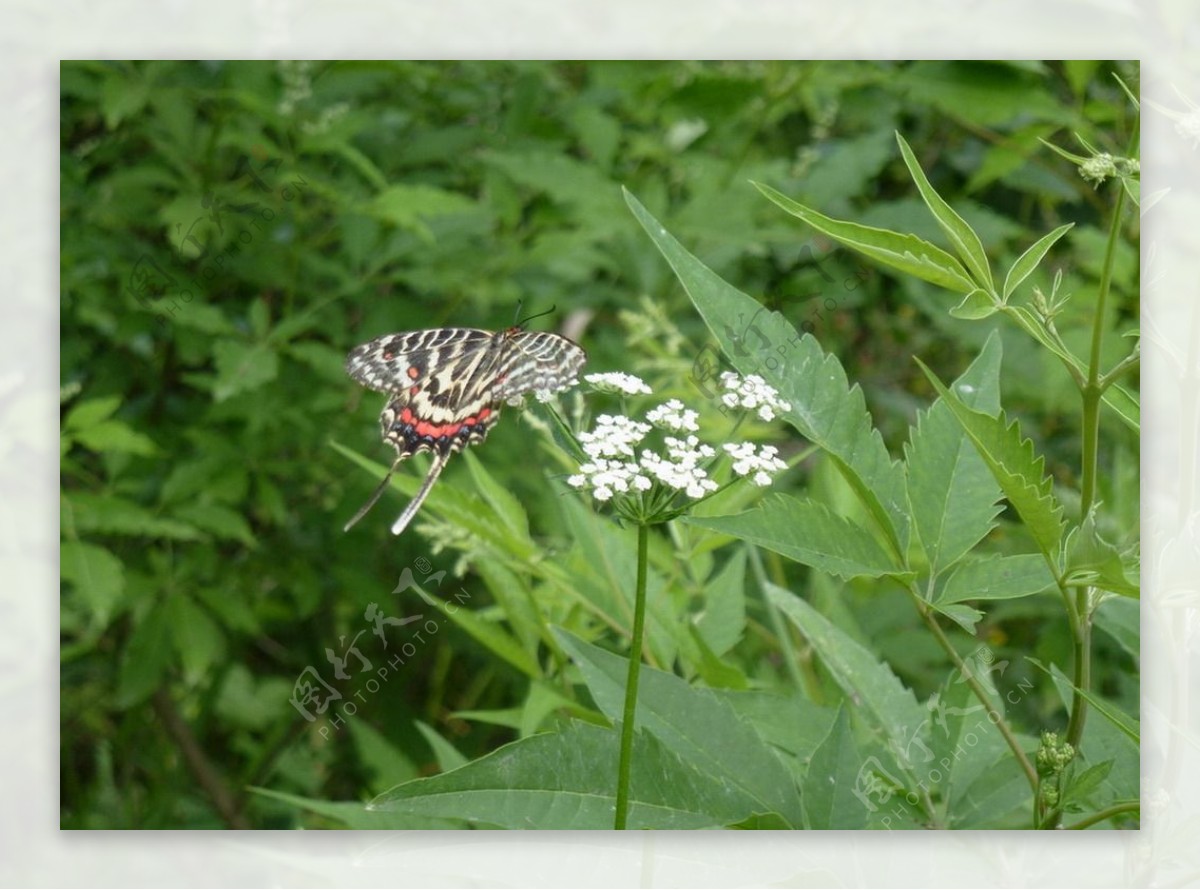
x=230, y=229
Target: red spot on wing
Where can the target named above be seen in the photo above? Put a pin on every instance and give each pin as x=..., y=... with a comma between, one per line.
x=413, y=372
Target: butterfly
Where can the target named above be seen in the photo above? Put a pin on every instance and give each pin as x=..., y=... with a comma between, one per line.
x=445, y=388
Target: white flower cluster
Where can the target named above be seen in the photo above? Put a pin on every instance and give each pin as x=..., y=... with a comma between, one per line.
x=762, y=464
x=617, y=463
x=673, y=416
x=752, y=393
x=616, y=381
x=681, y=468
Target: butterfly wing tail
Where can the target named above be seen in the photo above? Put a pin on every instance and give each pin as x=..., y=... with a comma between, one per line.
x=375, y=495
x=435, y=470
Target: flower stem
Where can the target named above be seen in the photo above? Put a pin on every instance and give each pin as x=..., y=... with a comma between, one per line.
x=625, y=763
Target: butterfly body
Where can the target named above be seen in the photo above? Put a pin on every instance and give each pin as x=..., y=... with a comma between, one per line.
x=445, y=388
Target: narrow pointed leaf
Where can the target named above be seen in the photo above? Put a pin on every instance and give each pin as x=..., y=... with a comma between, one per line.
x=962, y=236
x=1028, y=261
x=832, y=779
x=906, y=253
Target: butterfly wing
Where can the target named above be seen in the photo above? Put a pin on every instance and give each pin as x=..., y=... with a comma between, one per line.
x=536, y=360
x=395, y=363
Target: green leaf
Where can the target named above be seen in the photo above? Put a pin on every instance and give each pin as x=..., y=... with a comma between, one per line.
x=962, y=236
x=1129, y=726
x=508, y=509
x=824, y=407
x=489, y=633
x=146, y=658
x=91, y=412
x=603, y=573
x=242, y=367
x=965, y=617
x=1094, y=562
x=808, y=532
x=108, y=514
x=197, y=638
x=996, y=578
x=952, y=493
x=906, y=253
x=97, y=574
x=964, y=743
x=1086, y=782
x=1121, y=619
x=880, y=697
x=976, y=305
x=832, y=779
x=723, y=620
x=447, y=756
x=355, y=815
x=112, y=436
x=1030, y=259
x=697, y=725
x=568, y=780
x=1021, y=475
x=220, y=521
x=408, y=206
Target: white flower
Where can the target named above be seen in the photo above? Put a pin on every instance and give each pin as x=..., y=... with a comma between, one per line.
x=614, y=436
x=616, y=381
x=673, y=416
x=752, y=393
x=762, y=464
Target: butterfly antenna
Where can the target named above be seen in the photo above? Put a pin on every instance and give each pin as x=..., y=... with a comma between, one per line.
x=374, y=497
x=435, y=470
x=522, y=323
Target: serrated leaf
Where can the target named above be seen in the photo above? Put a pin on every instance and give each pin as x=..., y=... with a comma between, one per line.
x=832, y=779
x=996, y=578
x=962, y=236
x=808, y=532
x=108, y=514
x=952, y=493
x=1021, y=475
x=907, y=253
x=824, y=407
x=568, y=780
x=220, y=521
x=242, y=367
x=97, y=574
x=1093, y=561
x=698, y=726
x=883, y=700
x=1027, y=262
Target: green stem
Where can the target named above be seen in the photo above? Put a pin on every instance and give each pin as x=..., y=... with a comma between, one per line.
x=1129, y=806
x=625, y=763
x=976, y=688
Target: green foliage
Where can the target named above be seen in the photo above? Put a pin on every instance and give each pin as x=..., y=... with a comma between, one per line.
x=925, y=584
